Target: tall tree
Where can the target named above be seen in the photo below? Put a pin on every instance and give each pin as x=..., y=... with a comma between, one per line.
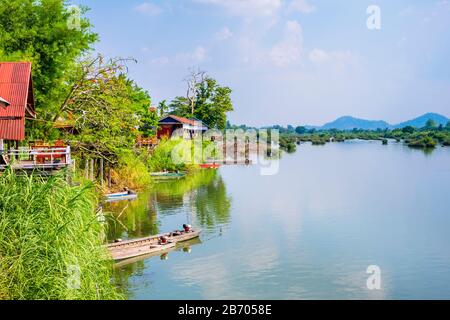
x=212, y=102
x=431, y=124
x=44, y=33
x=107, y=109
x=163, y=108
x=194, y=80
x=300, y=130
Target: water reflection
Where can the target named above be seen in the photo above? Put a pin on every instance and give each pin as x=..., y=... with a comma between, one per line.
x=308, y=232
x=200, y=199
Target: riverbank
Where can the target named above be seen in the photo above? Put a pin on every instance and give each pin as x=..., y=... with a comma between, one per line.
x=51, y=241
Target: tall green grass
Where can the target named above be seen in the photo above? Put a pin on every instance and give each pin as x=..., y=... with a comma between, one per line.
x=161, y=158
x=50, y=241
x=187, y=152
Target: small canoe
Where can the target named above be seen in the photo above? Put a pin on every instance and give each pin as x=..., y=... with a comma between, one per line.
x=121, y=196
x=119, y=249
x=167, y=175
x=145, y=250
x=210, y=166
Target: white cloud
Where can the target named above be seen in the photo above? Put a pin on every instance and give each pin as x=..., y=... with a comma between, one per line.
x=148, y=8
x=199, y=54
x=289, y=50
x=224, y=34
x=318, y=56
x=338, y=59
x=196, y=56
x=160, y=61
x=302, y=6
x=246, y=7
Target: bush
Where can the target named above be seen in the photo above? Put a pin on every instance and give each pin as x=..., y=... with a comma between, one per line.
x=48, y=232
x=132, y=173
x=161, y=158
x=318, y=142
x=424, y=142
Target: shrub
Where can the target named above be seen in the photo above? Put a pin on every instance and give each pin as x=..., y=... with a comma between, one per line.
x=161, y=158
x=132, y=172
x=423, y=142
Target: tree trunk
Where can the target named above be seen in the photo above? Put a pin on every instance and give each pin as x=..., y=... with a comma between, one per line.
x=92, y=170
x=101, y=172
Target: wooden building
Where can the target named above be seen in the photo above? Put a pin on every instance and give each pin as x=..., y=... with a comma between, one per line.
x=17, y=101
x=17, y=104
x=188, y=128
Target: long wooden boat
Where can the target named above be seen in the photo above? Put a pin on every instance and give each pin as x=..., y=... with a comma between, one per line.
x=121, y=196
x=181, y=246
x=144, y=250
x=132, y=248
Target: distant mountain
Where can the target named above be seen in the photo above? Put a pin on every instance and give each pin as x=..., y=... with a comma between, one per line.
x=421, y=121
x=349, y=123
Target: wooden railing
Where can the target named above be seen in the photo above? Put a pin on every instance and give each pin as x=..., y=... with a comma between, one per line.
x=145, y=142
x=36, y=158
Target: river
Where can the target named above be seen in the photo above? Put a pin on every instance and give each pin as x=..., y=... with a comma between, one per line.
x=308, y=232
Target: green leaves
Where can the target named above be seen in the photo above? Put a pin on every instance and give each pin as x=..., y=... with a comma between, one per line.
x=211, y=104
x=47, y=227
x=38, y=31
x=107, y=109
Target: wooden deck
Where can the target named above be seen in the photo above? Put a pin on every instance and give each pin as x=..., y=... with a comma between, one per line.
x=44, y=159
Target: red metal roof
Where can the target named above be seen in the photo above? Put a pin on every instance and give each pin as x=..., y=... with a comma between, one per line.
x=4, y=102
x=16, y=88
x=191, y=122
x=183, y=120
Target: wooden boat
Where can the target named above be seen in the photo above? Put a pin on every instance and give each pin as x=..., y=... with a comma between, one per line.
x=181, y=246
x=167, y=175
x=121, y=196
x=137, y=247
x=144, y=250
x=210, y=166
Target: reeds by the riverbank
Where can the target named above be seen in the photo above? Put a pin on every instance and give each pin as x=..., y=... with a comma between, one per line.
x=50, y=241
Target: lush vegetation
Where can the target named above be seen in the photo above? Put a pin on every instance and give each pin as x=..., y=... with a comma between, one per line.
x=47, y=226
x=38, y=31
x=50, y=241
x=427, y=137
x=206, y=100
x=177, y=154
x=162, y=160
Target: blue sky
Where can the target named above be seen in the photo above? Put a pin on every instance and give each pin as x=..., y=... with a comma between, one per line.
x=288, y=61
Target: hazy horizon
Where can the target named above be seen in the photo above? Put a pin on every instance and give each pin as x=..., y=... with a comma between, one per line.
x=288, y=61
x=348, y=115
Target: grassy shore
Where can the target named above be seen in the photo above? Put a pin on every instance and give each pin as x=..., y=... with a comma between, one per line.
x=51, y=241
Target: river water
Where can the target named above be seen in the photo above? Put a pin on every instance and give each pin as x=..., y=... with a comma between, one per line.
x=308, y=232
